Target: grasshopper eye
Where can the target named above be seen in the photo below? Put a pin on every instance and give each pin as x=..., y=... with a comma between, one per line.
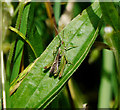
x=62, y=42
x=45, y=67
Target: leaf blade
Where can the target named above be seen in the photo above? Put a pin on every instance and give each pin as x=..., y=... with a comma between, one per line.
x=19, y=45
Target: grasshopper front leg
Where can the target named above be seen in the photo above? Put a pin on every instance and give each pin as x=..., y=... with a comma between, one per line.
x=48, y=66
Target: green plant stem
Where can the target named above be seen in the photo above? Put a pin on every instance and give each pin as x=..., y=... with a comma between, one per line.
x=105, y=91
x=3, y=81
x=70, y=97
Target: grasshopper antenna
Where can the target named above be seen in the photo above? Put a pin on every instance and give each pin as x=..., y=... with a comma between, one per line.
x=58, y=34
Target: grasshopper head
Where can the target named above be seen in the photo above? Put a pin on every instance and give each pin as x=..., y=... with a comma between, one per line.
x=62, y=42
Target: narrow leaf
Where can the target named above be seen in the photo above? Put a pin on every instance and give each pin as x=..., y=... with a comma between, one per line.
x=19, y=45
x=22, y=36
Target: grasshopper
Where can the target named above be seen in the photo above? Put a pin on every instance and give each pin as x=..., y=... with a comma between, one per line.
x=58, y=64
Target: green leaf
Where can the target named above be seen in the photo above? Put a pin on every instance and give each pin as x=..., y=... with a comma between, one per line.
x=110, y=15
x=112, y=18
x=20, y=44
x=61, y=101
x=34, y=34
x=11, y=53
x=24, y=38
x=38, y=89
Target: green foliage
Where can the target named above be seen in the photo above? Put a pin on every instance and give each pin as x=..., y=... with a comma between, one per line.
x=38, y=82
x=112, y=37
x=34, y=87
x=20, y=44
x=34, y=35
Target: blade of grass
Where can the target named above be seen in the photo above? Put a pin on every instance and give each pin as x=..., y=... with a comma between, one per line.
x=23, y=36
x=20, y=44
x=21, y=6
x=35, y=32
x=16, y=82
